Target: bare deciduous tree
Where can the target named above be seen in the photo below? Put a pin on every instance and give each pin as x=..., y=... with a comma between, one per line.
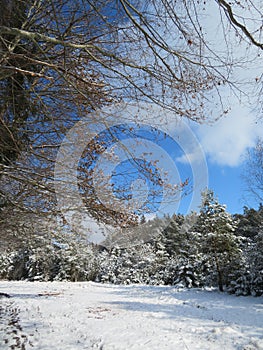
x=61, y=60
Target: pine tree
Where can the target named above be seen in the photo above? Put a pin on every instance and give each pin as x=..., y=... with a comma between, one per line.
x=250, y=222
x=219, y=242
x=173, y=237
x=256, y=265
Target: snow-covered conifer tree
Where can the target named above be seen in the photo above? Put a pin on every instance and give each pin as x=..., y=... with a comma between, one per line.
x=219, y=242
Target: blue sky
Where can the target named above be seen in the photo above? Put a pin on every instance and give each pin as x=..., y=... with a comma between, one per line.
x=228, y=186
x=225, y=144
x=210, y=156
x=227, y=183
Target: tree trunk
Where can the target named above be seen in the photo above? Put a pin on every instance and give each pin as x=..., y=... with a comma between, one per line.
x=219, y=275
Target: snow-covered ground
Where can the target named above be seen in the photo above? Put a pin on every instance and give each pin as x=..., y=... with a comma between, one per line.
x=77, y=316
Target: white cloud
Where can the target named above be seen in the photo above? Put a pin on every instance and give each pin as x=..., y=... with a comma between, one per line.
x=223, y=142
x=190, y=157
x=226, y=141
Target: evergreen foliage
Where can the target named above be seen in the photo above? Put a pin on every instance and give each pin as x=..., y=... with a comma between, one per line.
x=219, y=242
x=197, y=250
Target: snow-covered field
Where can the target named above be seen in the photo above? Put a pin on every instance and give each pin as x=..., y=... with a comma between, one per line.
x=64, y=315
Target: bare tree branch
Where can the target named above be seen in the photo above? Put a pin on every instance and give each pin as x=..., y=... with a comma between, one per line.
x=228, y=10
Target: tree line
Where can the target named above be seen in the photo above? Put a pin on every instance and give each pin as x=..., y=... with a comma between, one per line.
x=207, y=249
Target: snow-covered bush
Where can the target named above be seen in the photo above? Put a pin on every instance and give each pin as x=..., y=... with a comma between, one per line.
x=6, y=263
x=138, y=264
x=76, y=263
x=46, y=260
x=248, y=278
